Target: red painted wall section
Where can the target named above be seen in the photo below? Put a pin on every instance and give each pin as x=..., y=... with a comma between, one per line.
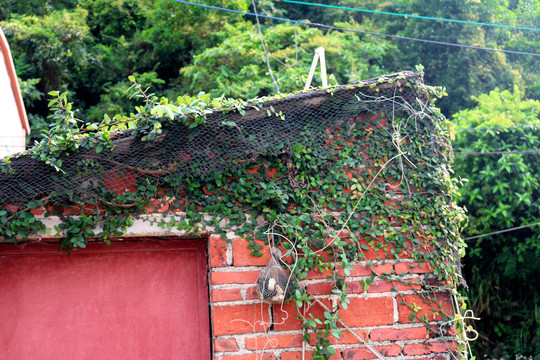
x=134, y=300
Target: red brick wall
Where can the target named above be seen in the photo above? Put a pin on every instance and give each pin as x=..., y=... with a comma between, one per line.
x=244, y=328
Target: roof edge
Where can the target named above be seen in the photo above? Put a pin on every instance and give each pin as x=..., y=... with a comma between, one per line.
x=10, y=67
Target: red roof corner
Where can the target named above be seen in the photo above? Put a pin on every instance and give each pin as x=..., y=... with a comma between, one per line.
x=10, y=66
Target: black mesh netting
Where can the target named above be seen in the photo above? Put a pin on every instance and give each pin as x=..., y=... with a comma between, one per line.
x=226, y=140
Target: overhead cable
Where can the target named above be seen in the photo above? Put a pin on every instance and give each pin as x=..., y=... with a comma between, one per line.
x=533, y=127
x=264, y=47
x=501, y=231
x=496, y=152
x=359, y=31
x=410, y=16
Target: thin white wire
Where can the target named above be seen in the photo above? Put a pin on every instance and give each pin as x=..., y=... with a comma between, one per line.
x=264, y=47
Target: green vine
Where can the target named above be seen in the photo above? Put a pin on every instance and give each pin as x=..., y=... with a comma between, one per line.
x=325, y=207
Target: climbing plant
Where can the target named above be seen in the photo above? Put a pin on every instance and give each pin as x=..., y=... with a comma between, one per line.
x=339, y=174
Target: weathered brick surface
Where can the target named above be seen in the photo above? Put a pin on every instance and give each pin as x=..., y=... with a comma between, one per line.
x=415, y=268
x=240, y=319
x=297, y=355
x=266, y=356
x=225, y=345
x=318, y=274
x=428, y=348
x=385, y=286
x=234, y=277
x=366, y=353
x=285, y=316
x=346, y=337
x=157, y=206
x=252, y=293
x=369, y=312
x=276, y=341
x=323, y=288
x=398, y=334
x=226, y=295
x=362, y=270
x=217, y=251
x=120, y=182
x=242, y=255
x=405, y=312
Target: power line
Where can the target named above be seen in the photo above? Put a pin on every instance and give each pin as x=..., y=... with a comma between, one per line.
x=423, y=40
x=264, y=47
x=534, y=127
x=411, y=16
x=501, y=231
x=359, y=31
x=496, y=152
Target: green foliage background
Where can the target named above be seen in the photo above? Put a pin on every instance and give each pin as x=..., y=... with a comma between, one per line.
x=89, y=47
x=502, y=192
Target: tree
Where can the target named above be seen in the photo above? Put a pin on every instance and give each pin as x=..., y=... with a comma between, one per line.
x=464, y=72
x=237, y=66
x=523, y=13
x=503, y=270
x=54, y=48
x=8, y=8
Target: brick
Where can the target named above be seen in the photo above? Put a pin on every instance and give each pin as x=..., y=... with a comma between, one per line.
x=320, y=288
x=385, y=286
x=242, y=255
x=366, y=353
x=253, y=170
x=318, y=274
x=448, y=330
x=179, y=204
x=297, y=355
x=415, y=268
x=38, y=211
x=120, y=181
x=157, y=206
x=428, y=348
x=368, y=312
x=248, y=357
x=404, y=311
x=273, y=342
x=355, y=287
x=72, y=210
x=271, y=173
x=218, y=295
x=240, y=319
x=234, y=277
x=252, y=293
x=372, y=254
x=11, y=207
x=346, y=338
x=229, y=345
x=411, y=333
x=285, y=316
x=217, y=251
x=362, y=270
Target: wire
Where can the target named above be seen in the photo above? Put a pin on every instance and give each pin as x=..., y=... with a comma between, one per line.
x=422, y=40
x=534, y=127
x=264, y=47
x=501, y=231
x=411, y=16
x=496, y=152
x=359, y=31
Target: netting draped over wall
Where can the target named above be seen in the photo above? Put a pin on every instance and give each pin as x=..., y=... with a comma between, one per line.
x=227, y=139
